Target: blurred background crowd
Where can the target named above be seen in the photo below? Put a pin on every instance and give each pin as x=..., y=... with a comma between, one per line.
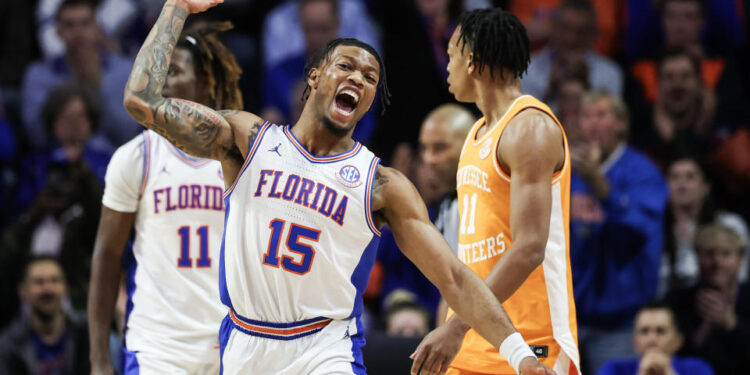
x=653, y=95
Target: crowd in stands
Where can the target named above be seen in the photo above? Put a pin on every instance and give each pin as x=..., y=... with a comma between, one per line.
x=653, y=95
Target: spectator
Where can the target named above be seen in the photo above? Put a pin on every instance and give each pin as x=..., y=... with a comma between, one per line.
x=537, y=16
x=85, y=62
x=566, y=92
x=653, y=26
x=283, y=34
x=71, y=114
x=573, y=32
x=715, y=314
x=683, y=115
x=46, y=340
x=656, y=339
x=441, y=140
x=60, y=197
x=113, y=18
x=690, y=206
x=617, y=207
x=320, y=23
x=404, y=317
x=683, y=21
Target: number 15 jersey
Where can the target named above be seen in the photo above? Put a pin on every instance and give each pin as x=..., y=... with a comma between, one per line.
x=299, y=238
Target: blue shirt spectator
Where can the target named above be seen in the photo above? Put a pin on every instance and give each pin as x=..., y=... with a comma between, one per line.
x=570, y=49
x=70, y=114
x=615, y=242
x=656, y=339
x=718, y=22
x=84, y=62
x=617, y=204
x=283, y=36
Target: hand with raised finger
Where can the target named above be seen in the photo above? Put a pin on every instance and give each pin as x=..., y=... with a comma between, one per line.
x=437, y=350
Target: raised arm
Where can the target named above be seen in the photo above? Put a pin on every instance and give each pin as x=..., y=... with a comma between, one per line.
x=397, y=203
x=194, y=128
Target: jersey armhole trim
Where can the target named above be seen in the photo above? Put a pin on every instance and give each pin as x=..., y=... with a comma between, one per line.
x=368, y=195
x=555, y=176
x=253, y=148
x=146, y=162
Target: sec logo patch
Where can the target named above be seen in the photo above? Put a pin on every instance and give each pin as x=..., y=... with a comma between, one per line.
x=349, y=176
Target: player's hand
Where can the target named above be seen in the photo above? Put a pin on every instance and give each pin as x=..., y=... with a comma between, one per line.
x=197, y=6
x=532, y=366
x=437, y=350
x=655, y=362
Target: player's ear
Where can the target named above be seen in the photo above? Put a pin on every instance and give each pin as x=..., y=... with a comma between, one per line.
x=312, y=78
x=470, y=63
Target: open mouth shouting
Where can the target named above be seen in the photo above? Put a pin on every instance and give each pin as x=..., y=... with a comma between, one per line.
x=345, y=103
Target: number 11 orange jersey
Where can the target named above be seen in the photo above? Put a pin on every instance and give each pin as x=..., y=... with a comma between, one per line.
x=542, y=309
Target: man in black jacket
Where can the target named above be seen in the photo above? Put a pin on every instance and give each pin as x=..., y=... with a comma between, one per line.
x=715, y=314
x=46, y=340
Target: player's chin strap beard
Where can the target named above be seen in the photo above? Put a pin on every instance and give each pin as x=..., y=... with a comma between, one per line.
x=332, y=128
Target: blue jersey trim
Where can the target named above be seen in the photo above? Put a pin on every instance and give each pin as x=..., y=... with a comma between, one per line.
x=132, y=265
x=130, y=363
x=361, y=274
x=146, y=162
x=280, y=325
x=321, y=159
x=223, y=291
x=225, y=332
x=368, y=195
x=358, y=341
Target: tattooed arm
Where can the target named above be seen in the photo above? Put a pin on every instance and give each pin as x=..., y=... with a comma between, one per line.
x=194, y=128
x=397, y=203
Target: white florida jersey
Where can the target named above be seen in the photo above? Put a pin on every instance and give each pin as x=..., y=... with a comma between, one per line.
x=174, y=305
x=299, y=239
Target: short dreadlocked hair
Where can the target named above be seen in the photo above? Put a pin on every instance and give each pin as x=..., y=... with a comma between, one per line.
x=214, y=62
x=323, y=54
x=498, y=40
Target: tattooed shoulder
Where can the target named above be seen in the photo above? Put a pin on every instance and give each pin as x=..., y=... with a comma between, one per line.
x=253, y=133
x=380, y=179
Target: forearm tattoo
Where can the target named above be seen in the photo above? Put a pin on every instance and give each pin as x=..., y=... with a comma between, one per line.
x=192, y=127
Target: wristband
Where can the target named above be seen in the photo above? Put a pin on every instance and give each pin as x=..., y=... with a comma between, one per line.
x=514, y=349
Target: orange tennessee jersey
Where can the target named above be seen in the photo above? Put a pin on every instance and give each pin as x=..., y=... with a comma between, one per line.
x=542, y=309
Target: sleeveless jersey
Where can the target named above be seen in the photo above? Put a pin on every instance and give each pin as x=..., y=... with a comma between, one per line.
x=174, y=308
x=542, y=309
x=299, y=238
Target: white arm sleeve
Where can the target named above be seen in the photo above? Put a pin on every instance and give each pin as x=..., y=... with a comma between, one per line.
x=124, y=177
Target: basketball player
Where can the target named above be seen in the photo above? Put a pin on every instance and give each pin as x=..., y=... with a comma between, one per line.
x=513, y=184
x=174, y=201
x=303, y=210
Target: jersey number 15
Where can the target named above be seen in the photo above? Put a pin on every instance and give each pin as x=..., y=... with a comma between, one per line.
x=293, y=244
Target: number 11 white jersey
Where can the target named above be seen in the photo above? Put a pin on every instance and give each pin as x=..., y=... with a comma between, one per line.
x=299, y=239
x=174, y=309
